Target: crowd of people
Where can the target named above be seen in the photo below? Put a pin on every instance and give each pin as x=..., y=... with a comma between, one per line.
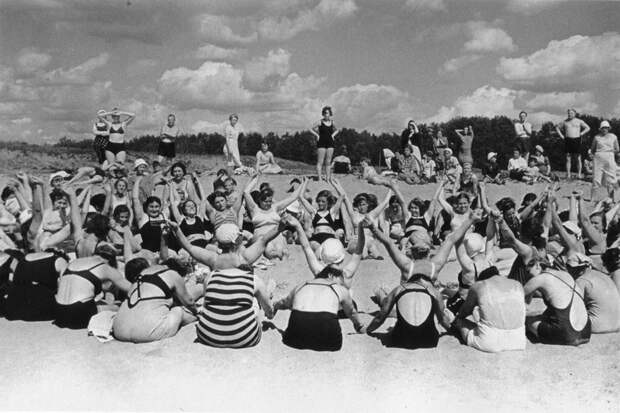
x=138, y=254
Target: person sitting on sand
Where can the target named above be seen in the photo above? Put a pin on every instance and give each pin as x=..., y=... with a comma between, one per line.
x=501, y=309
x=611, y=260
x=325, y=217
x=55, y=224
x=517, y=166
x=491, y=171
x=565, y=321
x=410, y=168
x=601, y=296
x=149, y=313
x=417, y=304
x=313, y=323
x=542, y=161
x=82, y=283
x=453, y=169
x=30, y=296
x=342, y=163
x=149, y=218
x=428, y=167
x=265, y=161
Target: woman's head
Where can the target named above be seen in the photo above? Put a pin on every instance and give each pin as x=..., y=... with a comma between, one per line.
x=598, y=221
x=324, y=200
x=506, y=206
x=178, y=170
x=60, y=199
x=420, y=244
x=171, y=119
x=474, y=244
x=265, y=199
x=228, y=237
x=180, y=266
x=407, y=151
x=516, y=153
x=134, y=267
x=331, y=252
x=121, y=215
x=394, y=203
x=467, y=168
x=152, y=206
x=218, y=200
x=229, y=185
x=416, y=207
x=411, y=124
x=233, y=119
x=462, y=203
x=189, y=208
x=360, y=202
x=120, y=185
x=264, y=146
x=364, y=162
x=98, y=225
x=327, y=112
x=108, y=253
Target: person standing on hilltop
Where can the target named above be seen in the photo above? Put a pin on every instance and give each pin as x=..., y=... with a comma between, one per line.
x=325, y=132
x=102, y=136
x=232, y=131
x=115, y=150
x=467, y=138
x=523, y=131
x=168, y=134
x=571, y=130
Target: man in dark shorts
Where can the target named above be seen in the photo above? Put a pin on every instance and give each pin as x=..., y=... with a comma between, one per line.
x=571, y=130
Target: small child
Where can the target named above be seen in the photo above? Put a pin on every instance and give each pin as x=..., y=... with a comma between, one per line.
x=588, y=165
x=428, y=167
x=532, y=173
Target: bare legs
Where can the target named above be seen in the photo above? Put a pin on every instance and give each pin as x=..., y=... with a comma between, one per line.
x=328, y=163
x=319, y=162
x=569, y=157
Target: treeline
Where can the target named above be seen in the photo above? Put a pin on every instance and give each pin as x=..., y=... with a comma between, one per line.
x=491, y=134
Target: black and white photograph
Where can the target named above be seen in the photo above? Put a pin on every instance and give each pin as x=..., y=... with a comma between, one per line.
x=310, y=205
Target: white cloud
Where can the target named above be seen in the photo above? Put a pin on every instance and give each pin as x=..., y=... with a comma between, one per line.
x=213, y=52
x=484, y=37
x=457, y=63
x=582, y=101
x=282, y=28
x=21, y=121
x=425, y=5
x=30, y=61
x=265, y=72
x=530, y=7
x=577, y=62
x=212, y=86
x=217, y=29
x=80, y=74
x=484, y=101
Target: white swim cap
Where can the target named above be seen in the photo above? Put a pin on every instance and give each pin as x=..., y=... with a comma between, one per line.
x=474, y=244
x=227, y=234
x=331, y=251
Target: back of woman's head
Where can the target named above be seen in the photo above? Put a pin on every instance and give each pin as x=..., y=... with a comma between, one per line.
x=58, y=253
x=532, y=227
x=98, y=225
x=97, y=201
x=611, y=259
x=108, y=253
x=177, y=265
x=134, y=267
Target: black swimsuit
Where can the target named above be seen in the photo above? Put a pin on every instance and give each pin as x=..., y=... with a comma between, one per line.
x=31, y=295
x=101, y=141
x=309, y=330
x=556, y=328
x=325, y=136
x=116, y=147
x=323, y=220
x=405, y=335
x=195, y=232
x=78, y=314
x=153, y=279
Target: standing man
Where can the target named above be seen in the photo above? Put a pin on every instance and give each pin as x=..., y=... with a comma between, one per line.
x=231, y=132
x=167, y=136
x=571, y=130
x=523, y=130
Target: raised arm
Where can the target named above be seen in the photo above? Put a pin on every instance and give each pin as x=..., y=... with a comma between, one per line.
x=76, y=216
x=247, y=194
x=129, y=117
x=527, y=211
x=350, y=268
x=557, y=225
x=313, y=262
x=202, y=255
x=374, y=214
x=590, y=232
x=281, y=205
x=428, y=215
x=440, y=258
x=400, y=259
x=442, y=201
x=585, y=128
x=137, y=205
x=509, y=238
x=174, y=206
x=256, y=249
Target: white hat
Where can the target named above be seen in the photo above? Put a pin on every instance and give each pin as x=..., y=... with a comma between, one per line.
x=573, y=228
x=100, y=111
x=227, y=233
x=448, y=151
x=59, y=174
x=474, y=244
x=331, y=251
x=539, y=148
x=139, y=162
x=294, y=207
x=604, y=124
x=491, y=155
x=420, y=240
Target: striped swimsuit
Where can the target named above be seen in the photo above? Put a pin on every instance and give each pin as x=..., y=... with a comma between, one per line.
x=227, y=216
x=228, y=316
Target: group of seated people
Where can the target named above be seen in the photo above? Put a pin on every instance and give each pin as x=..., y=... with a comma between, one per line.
x=154, y=251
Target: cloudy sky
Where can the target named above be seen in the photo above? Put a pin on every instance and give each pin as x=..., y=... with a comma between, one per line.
x=277, y=62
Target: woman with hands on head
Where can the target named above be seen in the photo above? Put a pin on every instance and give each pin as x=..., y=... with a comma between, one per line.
x=324, y=217
x=115, y=150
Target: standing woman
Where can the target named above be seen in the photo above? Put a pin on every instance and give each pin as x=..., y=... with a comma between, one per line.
x=604, y=148
x=467, y=138
x=100, y=130
x=231, y=132
x=325, y=131
x=410, y=136
x=115, y=151
x=167, y=136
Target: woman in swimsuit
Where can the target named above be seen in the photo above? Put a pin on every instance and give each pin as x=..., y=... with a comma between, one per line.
x=149, y=218
x=324, y=217
x=266, y=215
x=180, y=182
x=80, y=286
x=467, y=138
x=115, y=151
x=102, y=135
x=325, y=132
x=197, y=229
x=158, y=303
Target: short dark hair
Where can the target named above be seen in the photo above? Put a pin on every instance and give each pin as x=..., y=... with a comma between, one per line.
x=327, y=109
x=134, y=267
x=149, y=201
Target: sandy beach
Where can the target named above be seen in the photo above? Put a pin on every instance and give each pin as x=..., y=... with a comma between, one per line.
x=45, y=367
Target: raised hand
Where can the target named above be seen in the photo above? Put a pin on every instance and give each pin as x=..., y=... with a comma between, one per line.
x=476, y=215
